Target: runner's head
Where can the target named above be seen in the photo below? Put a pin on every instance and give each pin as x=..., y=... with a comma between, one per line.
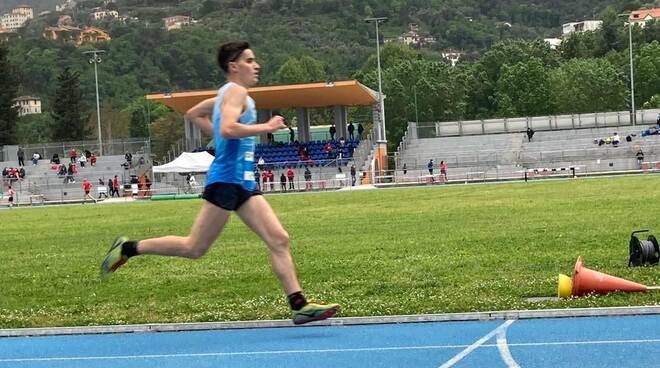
x=238, y=61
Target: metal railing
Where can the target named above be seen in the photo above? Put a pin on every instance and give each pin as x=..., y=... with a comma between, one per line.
x=537, y=123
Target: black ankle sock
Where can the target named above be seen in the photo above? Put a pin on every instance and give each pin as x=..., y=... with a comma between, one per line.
x=129, y=248
x=297, y=300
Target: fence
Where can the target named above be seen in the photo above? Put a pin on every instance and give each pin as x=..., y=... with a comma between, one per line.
x=515, y=125
x=47, y=150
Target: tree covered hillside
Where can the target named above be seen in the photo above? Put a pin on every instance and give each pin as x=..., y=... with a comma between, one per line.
x=312, y=40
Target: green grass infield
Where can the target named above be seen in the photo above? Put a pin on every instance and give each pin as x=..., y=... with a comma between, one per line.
x=381, y=252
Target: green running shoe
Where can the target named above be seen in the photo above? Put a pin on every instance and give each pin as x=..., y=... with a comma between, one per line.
x=114, y=259
x=314, y=312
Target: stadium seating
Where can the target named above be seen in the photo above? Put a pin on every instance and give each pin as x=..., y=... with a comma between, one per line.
x=507, y=155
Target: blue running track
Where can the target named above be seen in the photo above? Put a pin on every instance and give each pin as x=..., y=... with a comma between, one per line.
x=624, y=341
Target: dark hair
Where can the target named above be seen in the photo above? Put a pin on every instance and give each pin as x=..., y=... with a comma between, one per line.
x=230, y=52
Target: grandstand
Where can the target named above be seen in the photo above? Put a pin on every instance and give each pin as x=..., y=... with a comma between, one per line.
x=502, y=155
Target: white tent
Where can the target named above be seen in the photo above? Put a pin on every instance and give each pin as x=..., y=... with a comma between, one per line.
x=187, y=162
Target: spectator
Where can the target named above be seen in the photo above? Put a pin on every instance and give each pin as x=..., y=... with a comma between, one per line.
x=430, y=167
x=264, y=181
x=353, y=175
x=11, y=193
x=102, y=189
x=87, y=187
x=141, y=161
x=657, y=120
x=616, y=139
x=21, y=157
x=35, y=158
x=360, y=130
x=290, y=175
x=332, y=132
x=261, y=163
x=283, y=182
x=257, y=178
x=21, y=173
x=115, y=185
x=271, y=179
x=62, y=171
x=443, y=170
x=73, y=155
x=55, y=159
x=83, y=160
x=88, y=154
x=351, y=150
x=351, y=129
x=308, y=178
x=191, y=183
x=110, y=187
x=640, y=157
x=292, y=135
x=147, y=183
x=530, y=134
x=405, y=169
x=129, y=159
x=92, y=159
x=327, y=148
x=271, y=138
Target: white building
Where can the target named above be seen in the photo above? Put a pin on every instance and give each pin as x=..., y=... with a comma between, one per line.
x=452, y=56
x=17, y=18
x=413, y=39
x=584, y=26
x=28, y=105
x=67, y=5
x=175, y=22
x=553, y=42
x=98, y=14
x=644, y=15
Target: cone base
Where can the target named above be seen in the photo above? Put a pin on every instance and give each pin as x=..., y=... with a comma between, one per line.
x=564, y=286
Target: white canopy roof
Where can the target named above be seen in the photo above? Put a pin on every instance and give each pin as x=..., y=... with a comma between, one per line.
x=187, y=162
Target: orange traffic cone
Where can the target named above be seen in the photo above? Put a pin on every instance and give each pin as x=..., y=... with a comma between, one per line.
x=587, y=281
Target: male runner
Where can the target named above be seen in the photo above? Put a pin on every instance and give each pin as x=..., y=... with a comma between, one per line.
x=230, y=118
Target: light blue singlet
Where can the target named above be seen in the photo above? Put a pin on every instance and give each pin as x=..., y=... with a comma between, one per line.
x=234, y=158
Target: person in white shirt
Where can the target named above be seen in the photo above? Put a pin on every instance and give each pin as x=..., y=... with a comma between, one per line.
x=616, y=139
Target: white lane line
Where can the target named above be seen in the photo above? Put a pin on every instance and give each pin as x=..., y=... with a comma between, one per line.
x=320, y=351
x=477, y=344
x=503, y=347
x=273, y=352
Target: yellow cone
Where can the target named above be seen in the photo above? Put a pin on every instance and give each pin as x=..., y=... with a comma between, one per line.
x=564, y=286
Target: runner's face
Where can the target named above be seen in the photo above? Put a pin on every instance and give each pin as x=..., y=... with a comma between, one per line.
x=247, y=68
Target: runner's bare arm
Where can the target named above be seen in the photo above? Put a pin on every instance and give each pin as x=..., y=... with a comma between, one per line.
x=200, y=115
x=232, y=106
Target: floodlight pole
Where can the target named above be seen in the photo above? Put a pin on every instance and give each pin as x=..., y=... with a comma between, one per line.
x=96, y=59
x=381, y=108
x=632, y=73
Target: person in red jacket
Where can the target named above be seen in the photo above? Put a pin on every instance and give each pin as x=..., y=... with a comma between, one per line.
x=290, y=175
x=87, y=187
x=443, y=170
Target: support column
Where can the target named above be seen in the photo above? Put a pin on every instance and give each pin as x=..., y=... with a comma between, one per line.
x=341, y=119
x=193, y=138
x=262, y=117
x=302, y=117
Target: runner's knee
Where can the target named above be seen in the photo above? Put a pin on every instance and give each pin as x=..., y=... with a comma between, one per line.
x=195, y=249
x=279, y=241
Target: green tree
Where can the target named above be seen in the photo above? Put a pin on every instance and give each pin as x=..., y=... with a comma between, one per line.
x=647, y=72
x=588, y=85
x=34, y=128
x=653, y=103
x=8, y=92
x=303, y=70
x=165, y=132
x=523, y=89
x=143, y=112
x=68, y=116
x=486, y=72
